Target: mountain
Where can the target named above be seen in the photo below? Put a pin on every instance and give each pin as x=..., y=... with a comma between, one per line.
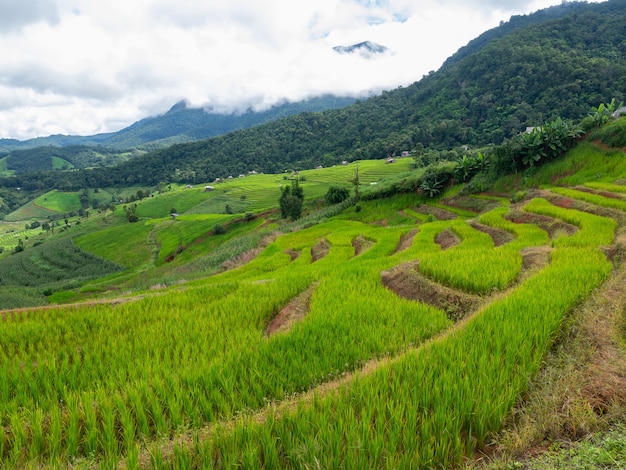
x=555, y=63
x=182, y=123
x=366, y=49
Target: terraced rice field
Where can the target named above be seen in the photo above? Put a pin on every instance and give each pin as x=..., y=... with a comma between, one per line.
x=349, y=344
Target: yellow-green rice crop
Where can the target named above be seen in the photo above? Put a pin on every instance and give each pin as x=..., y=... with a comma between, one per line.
x=104, y=376
x=603, y=201
x=614, y=188
x=434, y=405
x=473, y=265
x=593, y=230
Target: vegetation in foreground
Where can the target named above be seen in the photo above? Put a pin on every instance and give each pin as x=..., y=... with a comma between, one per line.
x=87, y=385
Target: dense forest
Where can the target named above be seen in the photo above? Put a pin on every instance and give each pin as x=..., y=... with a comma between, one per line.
x=559, y=62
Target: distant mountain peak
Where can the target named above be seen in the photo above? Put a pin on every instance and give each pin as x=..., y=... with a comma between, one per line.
x=366, y=49
x=180, y=106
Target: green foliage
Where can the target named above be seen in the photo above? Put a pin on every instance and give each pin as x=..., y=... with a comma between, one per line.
x=602, y=114
x=336, y=195
x=469, y=165
x=545, y=143
x=436, y=177
x=291, y=200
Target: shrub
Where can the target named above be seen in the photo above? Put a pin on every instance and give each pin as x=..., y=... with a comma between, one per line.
x=335, y=195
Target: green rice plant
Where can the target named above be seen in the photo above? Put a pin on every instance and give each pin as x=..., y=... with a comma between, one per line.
x=525, y=234
x=596, y=199
x=59, y=201
x=435, y=406
x=593, y=230
x=90, y=440
x=473, y=265
x=159, y=206
x=37, y=445
x=54, y=436
x=125, y=245
x=612, y=187
x=477, y=271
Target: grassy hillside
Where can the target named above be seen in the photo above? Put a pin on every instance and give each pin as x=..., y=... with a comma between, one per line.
x=408, y=333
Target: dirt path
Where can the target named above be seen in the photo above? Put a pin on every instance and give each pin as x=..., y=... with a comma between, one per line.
x=440, y=214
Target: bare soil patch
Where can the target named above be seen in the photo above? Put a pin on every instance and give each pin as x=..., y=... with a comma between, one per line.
x=291, y=313
x=472, y=204
x=293, y=254
x=440, y=214
x=499, y=236
x=534, y=259
x=408, y=283
x=249, y=255
x=406, y=241
x=616, y=253
x=320, y=250
x=447, y=239
x=361, y=244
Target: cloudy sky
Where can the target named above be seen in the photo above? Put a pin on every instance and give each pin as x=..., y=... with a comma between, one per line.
x=83, y=67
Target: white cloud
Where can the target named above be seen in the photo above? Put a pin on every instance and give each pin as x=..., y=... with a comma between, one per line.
x=88, y=66
x=15, y=15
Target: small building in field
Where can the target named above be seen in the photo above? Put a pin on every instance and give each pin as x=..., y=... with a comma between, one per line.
x=621, y=111
x=391, y=160
x=208, y=189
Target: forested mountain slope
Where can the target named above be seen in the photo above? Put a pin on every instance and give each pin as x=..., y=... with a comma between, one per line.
x=559, y=63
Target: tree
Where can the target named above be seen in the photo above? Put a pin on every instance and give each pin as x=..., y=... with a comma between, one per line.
x=355, y=181
x=291, y=200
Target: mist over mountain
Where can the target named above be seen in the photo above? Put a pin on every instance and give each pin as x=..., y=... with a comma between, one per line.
x=555, y=63
x=181, y=123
